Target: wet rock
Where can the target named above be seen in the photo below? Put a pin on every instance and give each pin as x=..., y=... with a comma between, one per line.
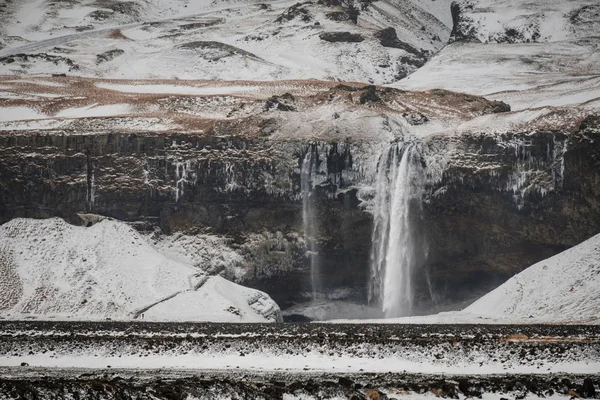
x=26, y=58
x=376, y=395
x=586, y=14
x=198, y=25
x=513, y=35
x=415, y=118
x=101, y=15
x=369, y=95
x=298, y=11
x=83, y=28
x=463, y=29
x=469, y=389
x=346, y=382
x=214, y=51
x=448, y=390
x=343, y=37
x=414, y=61
x=496, y=107
x=341, y=16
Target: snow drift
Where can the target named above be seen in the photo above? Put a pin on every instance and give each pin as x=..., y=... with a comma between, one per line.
x=49, y=268
x=563, y=288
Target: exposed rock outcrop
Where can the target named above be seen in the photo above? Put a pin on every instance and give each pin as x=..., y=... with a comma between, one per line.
x=347, y=37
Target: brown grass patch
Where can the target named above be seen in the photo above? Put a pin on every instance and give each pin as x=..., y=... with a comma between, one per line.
x=117, y=34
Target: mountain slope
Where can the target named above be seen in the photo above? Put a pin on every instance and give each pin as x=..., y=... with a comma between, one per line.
x=527, y=53
x=333, y=40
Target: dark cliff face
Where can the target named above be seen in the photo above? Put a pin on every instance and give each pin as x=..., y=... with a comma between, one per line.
x=536, y=198
x=499, y=203
x=230, y=186
x=462, y=26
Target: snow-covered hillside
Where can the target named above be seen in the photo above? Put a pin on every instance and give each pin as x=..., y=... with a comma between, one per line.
x=52, y=269
x=525, y=21
x=230, y=40
x=528, y=54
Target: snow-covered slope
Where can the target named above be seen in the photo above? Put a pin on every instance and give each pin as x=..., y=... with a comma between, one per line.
x=151, y=39
x=563, y=288
x=525, y=21
x=522, y=75
x=49, y=268
x=526, y=53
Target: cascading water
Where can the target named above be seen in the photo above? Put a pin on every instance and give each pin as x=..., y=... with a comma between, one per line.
x=397, y=245
x=309, y=220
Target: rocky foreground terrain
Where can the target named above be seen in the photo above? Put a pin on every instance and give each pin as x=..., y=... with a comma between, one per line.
x=75, y=360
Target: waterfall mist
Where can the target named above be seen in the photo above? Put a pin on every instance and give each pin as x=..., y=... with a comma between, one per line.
x=398, y=247
x=309, y=219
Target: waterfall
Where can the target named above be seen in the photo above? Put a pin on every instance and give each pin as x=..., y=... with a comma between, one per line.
x=397, y=246
x=309, y=221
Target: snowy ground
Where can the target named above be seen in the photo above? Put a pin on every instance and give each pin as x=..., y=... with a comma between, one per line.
x=525, y=76
x=457, y=350
x=467, y=360
x=51, y=269
x=236, y=384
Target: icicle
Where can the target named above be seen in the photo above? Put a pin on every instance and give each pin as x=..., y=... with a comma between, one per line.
x=182, y=169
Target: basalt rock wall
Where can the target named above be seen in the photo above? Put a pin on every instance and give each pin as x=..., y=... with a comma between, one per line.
x=493, y=204
x=504, y=202
x=247, y=189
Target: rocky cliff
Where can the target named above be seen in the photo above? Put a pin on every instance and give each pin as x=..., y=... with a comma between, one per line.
x=494, y=200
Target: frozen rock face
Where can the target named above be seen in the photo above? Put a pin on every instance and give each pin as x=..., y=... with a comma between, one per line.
x=53, y=269
x=509, y=199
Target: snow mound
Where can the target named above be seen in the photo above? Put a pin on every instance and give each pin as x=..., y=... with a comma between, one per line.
x=49, y=268
x=218, y=300
x=563, y=288
x=209, y=253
